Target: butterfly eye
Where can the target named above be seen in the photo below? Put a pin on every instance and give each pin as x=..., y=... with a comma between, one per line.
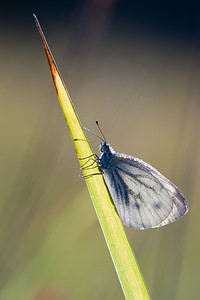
x=101, y=148
x=104, y=147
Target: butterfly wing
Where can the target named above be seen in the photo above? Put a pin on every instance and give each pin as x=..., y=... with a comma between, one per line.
x=143, y=197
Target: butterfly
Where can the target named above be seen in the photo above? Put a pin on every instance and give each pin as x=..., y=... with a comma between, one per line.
x=143, y=197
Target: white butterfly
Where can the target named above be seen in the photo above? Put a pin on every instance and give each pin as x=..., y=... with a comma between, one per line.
x=143, y=197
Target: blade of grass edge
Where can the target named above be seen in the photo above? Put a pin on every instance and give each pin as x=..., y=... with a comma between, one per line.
x=125, y=263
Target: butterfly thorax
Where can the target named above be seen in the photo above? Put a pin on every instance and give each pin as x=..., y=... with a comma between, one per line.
x=107, y=155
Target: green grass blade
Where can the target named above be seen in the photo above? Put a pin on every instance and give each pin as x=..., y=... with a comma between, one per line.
x=123, y=258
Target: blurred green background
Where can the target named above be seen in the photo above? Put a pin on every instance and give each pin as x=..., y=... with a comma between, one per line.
x=135, y=68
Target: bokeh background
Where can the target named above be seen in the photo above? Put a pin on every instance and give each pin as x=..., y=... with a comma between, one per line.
x=135, y=68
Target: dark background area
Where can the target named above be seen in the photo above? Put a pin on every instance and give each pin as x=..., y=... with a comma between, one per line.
x=134, y=66
x=179, y=19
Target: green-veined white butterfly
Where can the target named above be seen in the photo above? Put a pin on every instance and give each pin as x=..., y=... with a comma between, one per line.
x=143, y=197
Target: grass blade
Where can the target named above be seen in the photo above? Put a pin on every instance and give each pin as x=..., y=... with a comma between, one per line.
x=123, y=258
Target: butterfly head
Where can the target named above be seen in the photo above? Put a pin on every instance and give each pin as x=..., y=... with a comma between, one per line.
x=105, y=148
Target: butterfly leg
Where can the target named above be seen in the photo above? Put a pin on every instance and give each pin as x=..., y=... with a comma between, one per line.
x=90, y=175
x=89, y=158
x=95, y=155
x=89, y=166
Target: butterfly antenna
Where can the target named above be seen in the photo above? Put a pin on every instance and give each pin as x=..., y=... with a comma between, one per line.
x=104, y=139
x=93, y=133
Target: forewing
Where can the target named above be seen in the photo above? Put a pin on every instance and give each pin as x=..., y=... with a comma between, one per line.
x=143, y=197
